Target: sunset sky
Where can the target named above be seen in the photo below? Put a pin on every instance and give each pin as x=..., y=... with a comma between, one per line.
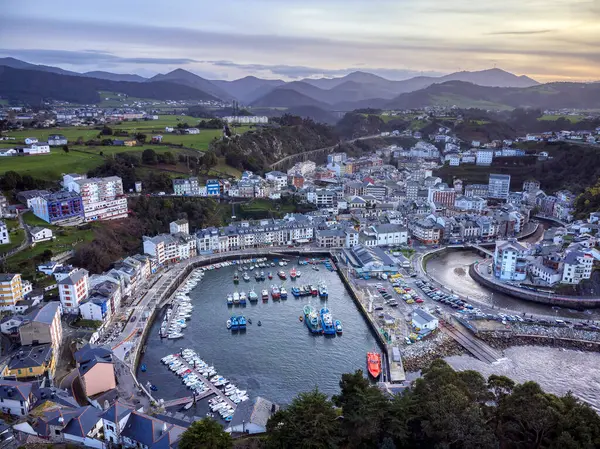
x=547, y=40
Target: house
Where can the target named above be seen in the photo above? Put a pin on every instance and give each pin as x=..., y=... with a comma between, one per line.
x=73, y=289
x=31, y=361
x=509, y=260
x=30, y=140
x=96, y=369
x=16, y=398
x=278, y=178
x=157, y=139
x=251, y=417
x=40, y=234
x=9, y=325
x=182, y=226
x=143, y=431
x=423, y=320
x=11, y=291
x=42, y=325
x=37, y=148
x=192, y=131
x=55, y=140
x=577, y=267
x=213, y=187
x=82, y=425
x=4, y=237
x=130, y=143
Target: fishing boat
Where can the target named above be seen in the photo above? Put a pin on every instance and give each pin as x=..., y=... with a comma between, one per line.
x=272, y=264
x=293, y=274
x=323, y=293
x=242, y=322
x=262, y=275
x=265, y=294
x=338, y=327
x=311, y=318
x=283, y=292
x=313, y=290
x=229, y=299
x=327, y=322
x=228, y=324
x=243, y=298
x=374, y=364
x=298, y=273
x=236, y=298
x=282, y=275
x=275, y=293
x=236, y=277
x=143, y=368
x=246, y=277
x=235, y=325
x=296, y=292
x=252, y=296
x=270, y=275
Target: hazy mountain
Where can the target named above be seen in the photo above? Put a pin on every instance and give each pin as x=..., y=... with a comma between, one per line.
x=32, y=86
x=490, y=77
x=115, y=76
x=18, y=64
x=288, y=98
x=249, y=88
x=180, y=76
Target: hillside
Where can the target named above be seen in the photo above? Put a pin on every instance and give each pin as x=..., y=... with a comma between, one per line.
x=249, y=88
x=115, y=76
x=468, y=95
x=32, y=86
x=282, y=97
x=185, y=78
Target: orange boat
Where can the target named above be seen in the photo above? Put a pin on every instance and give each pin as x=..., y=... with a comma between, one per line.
x=374, y=364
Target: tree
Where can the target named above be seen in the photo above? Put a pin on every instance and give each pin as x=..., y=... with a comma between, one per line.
x=205, y=434
x=65, y=148
x=106, y=131
x=149, y=157
x=11, y=180
x=141, y=137
x=309, y=422
x=209, y=160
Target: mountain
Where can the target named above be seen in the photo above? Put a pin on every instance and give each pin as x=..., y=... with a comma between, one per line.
x=490, y=77
x=183, y=77
x=114, y=76
x=469, y=95
x=282, y=97
x=249, y=88
x=33, y=86
x=357, y=77
x=18, y=64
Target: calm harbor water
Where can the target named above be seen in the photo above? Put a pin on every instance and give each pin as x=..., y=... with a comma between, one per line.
x=276, y=360
x=555, y=369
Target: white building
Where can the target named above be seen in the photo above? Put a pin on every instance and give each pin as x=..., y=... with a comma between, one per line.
x=74, y=289
x=470, y=203
x=509, y=260
x=246, y=119
x=30, y=140
x=102, y=198
x=322, y=197
x=388, y=234
x=278, y=178
x=182, y=226
x=168, y=248
x=485, y=157
x=40, y=234
x=423, y=320
x=16, y=398
x=4, y=237
x=498, y=186
x=185, y=187
x=57, y=140
x=577, y=267
x=38, y=148
x=192, y=131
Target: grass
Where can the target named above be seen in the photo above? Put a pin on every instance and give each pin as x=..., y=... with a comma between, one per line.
x=465, y=102
x=571, y=118
x=222, y=167
x=16, y=237
x=51, y=166
x=92, y=324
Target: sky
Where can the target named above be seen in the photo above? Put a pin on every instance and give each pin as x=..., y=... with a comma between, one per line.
x=548, y=40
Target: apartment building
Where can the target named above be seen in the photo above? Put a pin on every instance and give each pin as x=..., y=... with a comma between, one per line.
x=42, y=325
x=167, y=248
x=73, y=290
x=509, y=260
x=187, y=186
x=427, y=231
x=11, y=291
x=58, y=207
x=322, y=197
x=178, y=226
x=102, y=198
x=577, y=267
x=499, y=186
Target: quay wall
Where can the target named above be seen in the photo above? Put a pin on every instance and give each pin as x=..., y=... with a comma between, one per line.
x=576, y=302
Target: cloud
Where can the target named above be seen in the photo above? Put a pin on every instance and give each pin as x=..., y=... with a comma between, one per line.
x=518, y=33
x=297, y=72
x=86, y=57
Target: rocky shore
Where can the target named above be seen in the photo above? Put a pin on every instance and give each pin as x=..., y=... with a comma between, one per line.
x=421, y=354
x=502, y=341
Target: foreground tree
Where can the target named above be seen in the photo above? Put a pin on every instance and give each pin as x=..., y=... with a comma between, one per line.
x=205, y=434
x=310, y=422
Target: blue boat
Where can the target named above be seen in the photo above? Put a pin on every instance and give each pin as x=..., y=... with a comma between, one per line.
x=296, y=291
x=327, y=322
x=311, y=319
x=235, y=325
x=283, y=292
x=323, y=293
x=338, y=327
x=143, y=368
x=153, y=387
x=242, y=322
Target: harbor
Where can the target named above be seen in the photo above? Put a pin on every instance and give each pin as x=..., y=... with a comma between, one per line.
x=276, y=355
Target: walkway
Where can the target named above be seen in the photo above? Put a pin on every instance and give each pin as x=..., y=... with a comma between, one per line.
x=467, y=340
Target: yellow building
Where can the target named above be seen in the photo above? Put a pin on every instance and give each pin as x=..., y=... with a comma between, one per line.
x=11, y=291
x=31, y=361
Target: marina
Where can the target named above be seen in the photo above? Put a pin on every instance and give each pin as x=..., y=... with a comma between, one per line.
x=250, y=358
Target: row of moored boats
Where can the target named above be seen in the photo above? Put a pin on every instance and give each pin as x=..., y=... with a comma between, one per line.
x=321, y=322
x=180, y=311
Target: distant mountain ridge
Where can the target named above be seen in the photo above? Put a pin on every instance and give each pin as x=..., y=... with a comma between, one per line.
x=181, y=76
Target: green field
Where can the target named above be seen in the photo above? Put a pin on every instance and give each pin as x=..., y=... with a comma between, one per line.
x=51, y=166
x=571, y=118
x=16, y=235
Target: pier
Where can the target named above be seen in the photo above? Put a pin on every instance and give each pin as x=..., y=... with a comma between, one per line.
x=211, y=387
x=188, y=399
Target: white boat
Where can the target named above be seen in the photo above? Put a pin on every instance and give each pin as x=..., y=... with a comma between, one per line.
x=228, y=324
x=174, y=335
x=229, y=299
x=236, y=298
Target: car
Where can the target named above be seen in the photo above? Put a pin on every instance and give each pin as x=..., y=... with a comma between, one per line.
x=419, y=301
x=410, y=301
